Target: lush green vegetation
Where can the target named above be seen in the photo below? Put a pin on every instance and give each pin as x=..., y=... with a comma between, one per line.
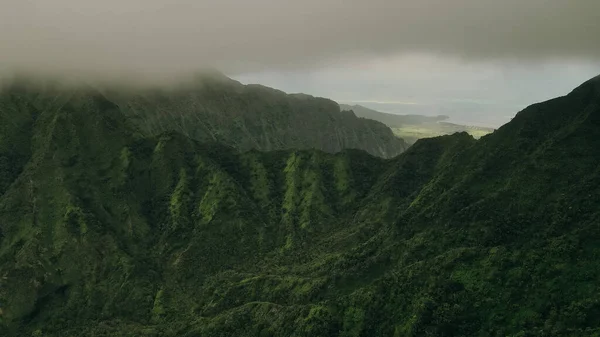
x=218, y=109
x=106, y=231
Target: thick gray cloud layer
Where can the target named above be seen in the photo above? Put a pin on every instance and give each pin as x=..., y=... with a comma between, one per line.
x=168, y=37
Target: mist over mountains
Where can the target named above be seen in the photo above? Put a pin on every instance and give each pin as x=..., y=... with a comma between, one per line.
x=107, y=229
x=158, y=39
x=211, y=107
x=143, y=193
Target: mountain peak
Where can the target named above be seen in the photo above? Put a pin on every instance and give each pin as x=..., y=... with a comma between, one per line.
x=591, y=86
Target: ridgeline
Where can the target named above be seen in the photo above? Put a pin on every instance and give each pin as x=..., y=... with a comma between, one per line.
x=111, y=228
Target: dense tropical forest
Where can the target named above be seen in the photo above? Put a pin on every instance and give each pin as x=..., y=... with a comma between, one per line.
x=110, y=227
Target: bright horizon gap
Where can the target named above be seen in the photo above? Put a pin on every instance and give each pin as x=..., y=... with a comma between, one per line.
x=379, y=102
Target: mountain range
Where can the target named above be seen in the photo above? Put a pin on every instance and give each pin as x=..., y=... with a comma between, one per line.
x=114, y=227
x=215, y=108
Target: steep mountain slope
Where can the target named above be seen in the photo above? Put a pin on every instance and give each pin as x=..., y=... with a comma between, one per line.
x=108, y=232
x=218, y=109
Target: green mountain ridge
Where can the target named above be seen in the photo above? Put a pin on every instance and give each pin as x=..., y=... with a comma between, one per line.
x=219, y=109
x=210, y=107
x=108, y=231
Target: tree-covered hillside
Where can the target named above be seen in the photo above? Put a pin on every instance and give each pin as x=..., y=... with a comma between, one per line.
x=106, y=230
x=214, y=108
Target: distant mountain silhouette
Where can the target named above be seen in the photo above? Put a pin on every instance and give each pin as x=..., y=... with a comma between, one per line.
x=109, y=231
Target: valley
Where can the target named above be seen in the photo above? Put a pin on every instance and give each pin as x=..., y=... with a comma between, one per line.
x=109, y=229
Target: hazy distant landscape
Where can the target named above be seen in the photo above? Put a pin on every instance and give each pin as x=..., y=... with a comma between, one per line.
x=414, y=127
x=155, y=213
x=462, y=113
x=455, y=192
x=412, y=133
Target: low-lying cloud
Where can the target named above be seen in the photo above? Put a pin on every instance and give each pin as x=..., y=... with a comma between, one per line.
x=167, y=38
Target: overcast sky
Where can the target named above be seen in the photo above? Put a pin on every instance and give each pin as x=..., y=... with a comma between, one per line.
x=485, y=93
x=498, y=54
